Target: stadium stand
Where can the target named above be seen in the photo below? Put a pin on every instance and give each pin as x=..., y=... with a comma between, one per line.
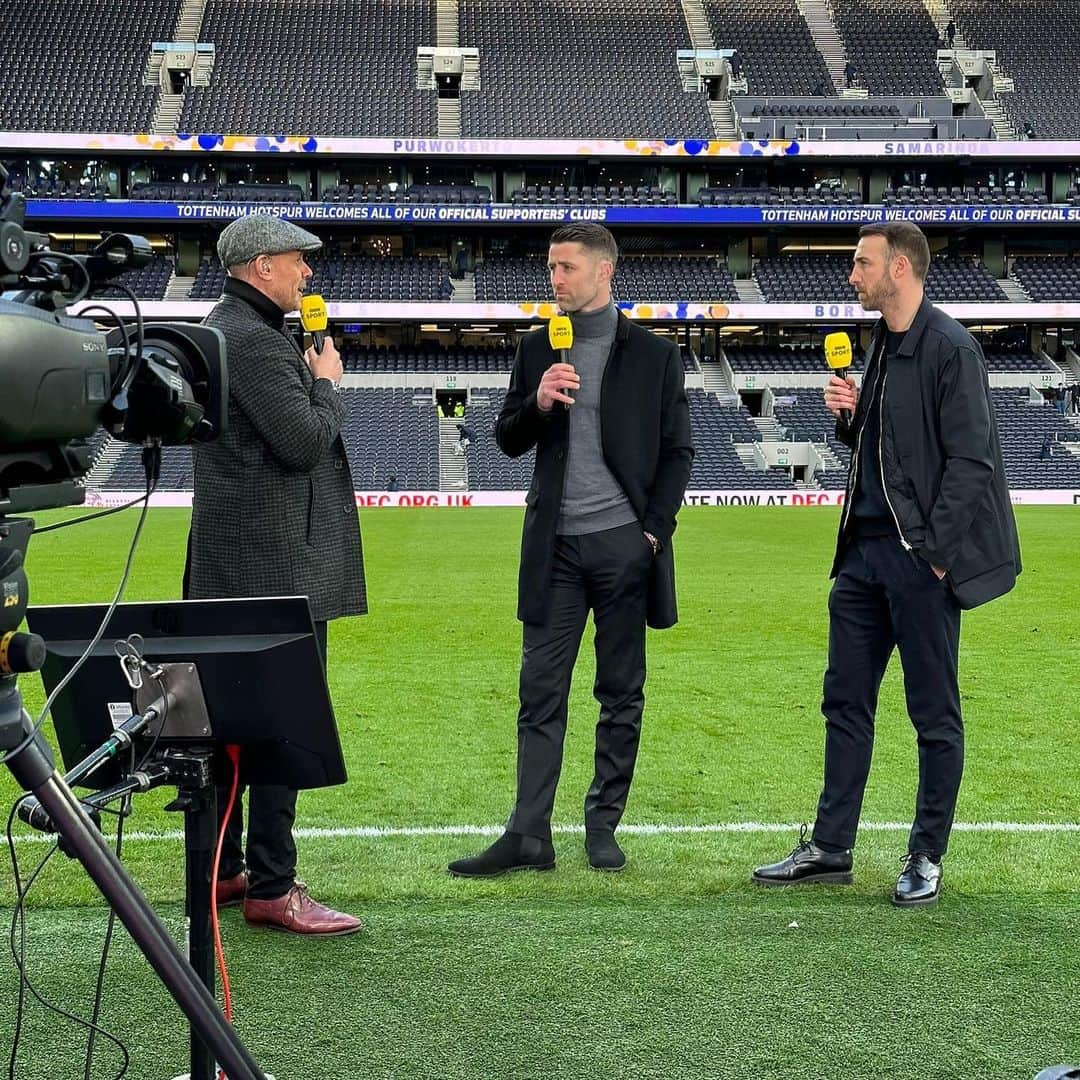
x=579, y=69
x=177, y=191
x=892, y=45
x=341, y=67
x=392, y=432
x=1038, y=46
x=808, y=359
x=717, y=429
x=440, y=194
x=1048, y=279
x=462, y=359
x=803, y=414
x=922, y=195
x=147, y=283
x=870, y=118
x=1020, y=362
x=825, y=277
x=592, y=195
x=824, y=195
x=77, y=65
x=776, y=50
x=963, y=278
x=128, y=475
x=1024, y=428
x=795, y=277
x=59, y=188
x=489, y=468
x=691, y=278
x=340, y=276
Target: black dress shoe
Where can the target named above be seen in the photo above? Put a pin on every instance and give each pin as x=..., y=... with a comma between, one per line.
x=603, y=851
x=806, y=864
x=512, y=851
x=919, y=882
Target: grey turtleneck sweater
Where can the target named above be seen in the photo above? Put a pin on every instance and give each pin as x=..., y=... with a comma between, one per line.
x=592, y=498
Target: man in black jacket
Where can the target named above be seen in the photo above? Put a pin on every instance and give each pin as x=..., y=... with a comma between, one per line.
x=611, y=428
x=274, y=514
x=927, y=529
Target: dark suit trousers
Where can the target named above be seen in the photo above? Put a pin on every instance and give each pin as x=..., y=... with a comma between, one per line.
x=271, y=850
x=607, y=572
x=883, y=597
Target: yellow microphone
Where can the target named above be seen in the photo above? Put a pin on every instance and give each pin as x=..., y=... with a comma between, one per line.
x=561, y=338
x=838, y=357
x=561, y=334
x=313, y=316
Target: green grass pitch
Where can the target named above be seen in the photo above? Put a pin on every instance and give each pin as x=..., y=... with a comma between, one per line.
x=680, y=967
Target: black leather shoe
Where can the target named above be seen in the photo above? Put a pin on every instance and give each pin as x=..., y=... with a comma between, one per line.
x=603, y=851
x=512, y=851
x=806, y=864
x=919, y=882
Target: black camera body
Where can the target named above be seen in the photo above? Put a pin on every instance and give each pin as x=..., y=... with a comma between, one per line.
x=61, y=378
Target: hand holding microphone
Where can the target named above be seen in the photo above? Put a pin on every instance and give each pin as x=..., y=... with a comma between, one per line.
x=840, y=391
x=323, y=357
x=561, y=378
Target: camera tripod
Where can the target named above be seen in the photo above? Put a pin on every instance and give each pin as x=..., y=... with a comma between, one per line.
x=30, y=761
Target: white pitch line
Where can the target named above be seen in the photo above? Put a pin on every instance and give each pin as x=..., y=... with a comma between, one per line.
x=382, y=832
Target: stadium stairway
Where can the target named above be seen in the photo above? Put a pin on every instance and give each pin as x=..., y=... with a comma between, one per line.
x=697, y=22
x=939, y=12
x=446, y=24
x=771, y=429
x=722, y=114
x=453, y=467
x=464, y=288
x=1013, y=290
x=828, y=41
x=1070, y=365
x=179, y=287
x=111, y=452
x=749, y=291
x=714, y=380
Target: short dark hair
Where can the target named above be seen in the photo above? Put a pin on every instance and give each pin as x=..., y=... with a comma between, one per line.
x=589, y=235
x=904, y=238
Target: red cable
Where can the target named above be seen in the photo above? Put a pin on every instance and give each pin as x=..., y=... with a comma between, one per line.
x=219, y=952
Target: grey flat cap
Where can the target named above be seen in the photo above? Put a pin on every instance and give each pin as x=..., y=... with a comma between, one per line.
x=262, y=234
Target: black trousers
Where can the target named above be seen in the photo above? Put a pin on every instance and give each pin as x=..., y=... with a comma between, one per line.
x=886, y=597
x=270, y=855
x=607, y=572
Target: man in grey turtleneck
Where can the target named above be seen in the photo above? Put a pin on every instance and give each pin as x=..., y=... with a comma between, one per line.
x=611, y=427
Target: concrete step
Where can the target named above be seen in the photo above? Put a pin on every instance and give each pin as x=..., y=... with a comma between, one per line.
x=749, y=291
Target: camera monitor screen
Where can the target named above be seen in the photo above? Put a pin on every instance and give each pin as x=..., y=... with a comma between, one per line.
x=258, y=662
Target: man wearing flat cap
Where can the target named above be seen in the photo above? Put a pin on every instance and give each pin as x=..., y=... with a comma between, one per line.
x=274, y=514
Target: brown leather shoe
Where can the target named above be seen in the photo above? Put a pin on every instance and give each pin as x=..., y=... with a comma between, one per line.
x=231, y=891
x=299, y=914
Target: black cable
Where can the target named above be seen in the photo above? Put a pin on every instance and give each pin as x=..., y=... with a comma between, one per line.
x=90, y=517
x=20, y=957
x=95, y=1013
x=131, y=359
x=62, y=685
x=129, y=376
x=18, y=919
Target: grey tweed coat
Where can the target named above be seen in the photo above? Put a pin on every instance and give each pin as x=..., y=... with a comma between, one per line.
x=273, y=511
